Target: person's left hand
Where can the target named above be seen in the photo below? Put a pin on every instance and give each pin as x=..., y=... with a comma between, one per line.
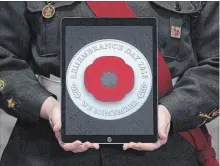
x=164, y=119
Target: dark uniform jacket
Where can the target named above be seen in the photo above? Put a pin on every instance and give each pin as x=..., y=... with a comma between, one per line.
x=29, y=45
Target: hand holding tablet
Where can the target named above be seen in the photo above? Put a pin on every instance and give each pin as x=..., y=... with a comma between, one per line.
x=164, y=119
x=51, y=111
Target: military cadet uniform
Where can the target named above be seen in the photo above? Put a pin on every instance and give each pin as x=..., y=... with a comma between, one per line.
x=29, y=45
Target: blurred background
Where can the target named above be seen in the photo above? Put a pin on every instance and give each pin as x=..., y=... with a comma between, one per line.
x=7, y=122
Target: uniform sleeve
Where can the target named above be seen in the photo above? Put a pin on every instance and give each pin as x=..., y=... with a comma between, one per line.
x=194, y=100
x=21, y=95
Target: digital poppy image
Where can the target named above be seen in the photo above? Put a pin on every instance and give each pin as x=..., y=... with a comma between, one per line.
x=109, y=79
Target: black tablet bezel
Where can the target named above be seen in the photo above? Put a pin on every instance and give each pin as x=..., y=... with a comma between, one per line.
x=106, y=139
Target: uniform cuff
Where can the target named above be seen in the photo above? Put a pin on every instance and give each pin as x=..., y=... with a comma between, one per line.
x=30, y=107
x=182, y=115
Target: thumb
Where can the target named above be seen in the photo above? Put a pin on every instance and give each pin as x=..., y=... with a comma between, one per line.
x=162, y=130
x=55, y=119
x=163, y=123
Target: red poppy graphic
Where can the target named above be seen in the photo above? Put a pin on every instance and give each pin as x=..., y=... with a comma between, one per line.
x=109, y=79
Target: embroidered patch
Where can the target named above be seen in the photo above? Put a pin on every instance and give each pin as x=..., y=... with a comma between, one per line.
x=175, y=32
x=204, y=116
x=2, y=84
x=209, y=117
x=11, y=103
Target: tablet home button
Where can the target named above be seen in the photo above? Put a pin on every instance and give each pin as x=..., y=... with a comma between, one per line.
x=109, y=139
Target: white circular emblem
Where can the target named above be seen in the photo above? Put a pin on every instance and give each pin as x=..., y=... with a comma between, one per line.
x=86, y=102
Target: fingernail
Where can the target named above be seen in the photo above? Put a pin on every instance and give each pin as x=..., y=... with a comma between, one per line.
x=125, y=147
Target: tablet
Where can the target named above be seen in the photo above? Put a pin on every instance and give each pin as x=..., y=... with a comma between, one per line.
x=109, y=80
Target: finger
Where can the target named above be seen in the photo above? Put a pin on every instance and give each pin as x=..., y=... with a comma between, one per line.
x=55, y=119
x=125, y=146
x=95, y=146
x=132, y=145
x=71, y=146
x=147, y=146
x=82, y=148
x=128, y=145
x=67, y=146
x=135, y=147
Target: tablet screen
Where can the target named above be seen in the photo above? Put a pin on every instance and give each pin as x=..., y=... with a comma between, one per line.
x=108, y=79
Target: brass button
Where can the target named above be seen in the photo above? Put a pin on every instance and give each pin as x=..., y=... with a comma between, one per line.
x=49, y=10
x=177, y=6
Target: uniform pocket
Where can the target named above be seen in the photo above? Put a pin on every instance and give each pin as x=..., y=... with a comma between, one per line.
x=177, y=15
x=46, y=31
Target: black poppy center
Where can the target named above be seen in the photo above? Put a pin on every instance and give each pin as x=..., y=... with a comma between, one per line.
x=109, y=79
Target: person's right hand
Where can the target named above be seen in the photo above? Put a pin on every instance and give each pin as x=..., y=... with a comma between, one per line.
x=51, y=111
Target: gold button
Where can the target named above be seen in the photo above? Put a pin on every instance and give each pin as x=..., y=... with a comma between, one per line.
x=48, y=11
